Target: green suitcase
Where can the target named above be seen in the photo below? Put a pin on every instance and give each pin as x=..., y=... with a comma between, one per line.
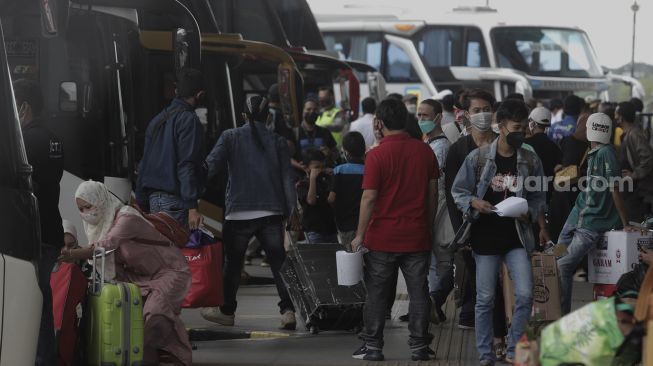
x=114, y=321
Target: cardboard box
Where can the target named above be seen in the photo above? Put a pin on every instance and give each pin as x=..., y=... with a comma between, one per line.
x=615, y=254
x=546, y=290
x=601, y=291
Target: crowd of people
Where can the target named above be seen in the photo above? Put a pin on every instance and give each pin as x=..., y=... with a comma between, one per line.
x=403, y=182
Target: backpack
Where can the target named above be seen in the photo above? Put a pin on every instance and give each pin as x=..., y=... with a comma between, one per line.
x=168, y=226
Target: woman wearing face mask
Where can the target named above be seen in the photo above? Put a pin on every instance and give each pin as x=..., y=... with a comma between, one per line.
x=160, y=270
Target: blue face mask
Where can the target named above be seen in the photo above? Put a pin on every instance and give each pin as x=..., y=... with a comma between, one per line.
x=426, y=126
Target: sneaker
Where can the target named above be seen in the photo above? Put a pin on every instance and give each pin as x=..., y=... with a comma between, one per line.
x=288, y=321
x=264, y=262
x=557, y=250
x=216, y=316
x=404, y=318
x=367, y=354
x=430, y=352
x=486, y=363
x=422, y=354
x=466, y=324
x=499, y=349
x=580, y=275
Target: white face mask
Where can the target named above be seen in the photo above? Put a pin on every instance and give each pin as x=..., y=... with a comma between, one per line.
x=91, y=216
x=481, y=121
x=412, y=108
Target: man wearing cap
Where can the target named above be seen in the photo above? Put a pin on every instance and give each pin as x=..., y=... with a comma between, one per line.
x=171, y=176
x=548, y=152
x=599, y=207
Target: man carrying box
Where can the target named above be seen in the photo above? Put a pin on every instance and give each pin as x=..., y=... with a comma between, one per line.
x=599, y=207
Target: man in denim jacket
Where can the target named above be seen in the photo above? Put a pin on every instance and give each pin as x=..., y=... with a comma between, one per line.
x=260, y=195
x=489, y=175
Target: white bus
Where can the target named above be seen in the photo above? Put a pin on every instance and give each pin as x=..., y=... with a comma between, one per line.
x=426, y=53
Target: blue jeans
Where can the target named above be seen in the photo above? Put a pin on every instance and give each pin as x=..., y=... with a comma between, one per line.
x=236, y=235
x=380, y=280
x=319, y=238
x=487, y=273
x=579, y=242
x=46, y=353
x=440, y=274
x=170, y=204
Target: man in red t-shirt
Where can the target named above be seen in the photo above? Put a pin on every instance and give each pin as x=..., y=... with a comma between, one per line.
x=396, y=216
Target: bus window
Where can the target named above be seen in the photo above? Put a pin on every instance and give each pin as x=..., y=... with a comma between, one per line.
x=364, y=47
x=68, y=96
x=545, y=52
x=298, y=23
x=398, y=66
x=475, y=55
x=440, y=47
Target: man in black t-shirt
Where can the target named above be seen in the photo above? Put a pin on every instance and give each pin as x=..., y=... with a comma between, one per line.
x=548, y=152
x=313, y=192
x=312, y=137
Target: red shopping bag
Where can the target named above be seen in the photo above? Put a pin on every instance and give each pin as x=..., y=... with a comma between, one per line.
x=69, y=286
x=205, y=265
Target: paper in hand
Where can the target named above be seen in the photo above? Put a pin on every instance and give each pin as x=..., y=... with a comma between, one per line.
x=512, y=207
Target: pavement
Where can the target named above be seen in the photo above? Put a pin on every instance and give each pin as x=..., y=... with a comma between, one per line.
x=257, y=340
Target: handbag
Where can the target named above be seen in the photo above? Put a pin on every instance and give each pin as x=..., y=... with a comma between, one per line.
x=205, y=264
x=570, y=174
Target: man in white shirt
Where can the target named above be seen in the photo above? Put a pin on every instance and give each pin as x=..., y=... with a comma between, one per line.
x=365, y=124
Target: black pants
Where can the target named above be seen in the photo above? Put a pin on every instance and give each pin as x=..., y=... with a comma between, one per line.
x=46, y=353
x=237, y=234
x=380, y=269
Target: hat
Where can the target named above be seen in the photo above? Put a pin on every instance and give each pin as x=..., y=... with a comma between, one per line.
x=189, y=83
x=541, y=116
x=69, y=228
x=599, y=128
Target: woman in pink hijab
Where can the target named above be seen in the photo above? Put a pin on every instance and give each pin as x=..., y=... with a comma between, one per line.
x=160, y=270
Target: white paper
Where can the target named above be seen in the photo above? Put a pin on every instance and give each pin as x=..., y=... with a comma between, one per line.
x=512, y=207
x=349, y=267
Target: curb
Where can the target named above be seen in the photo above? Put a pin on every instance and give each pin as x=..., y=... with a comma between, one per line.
x=204, y=335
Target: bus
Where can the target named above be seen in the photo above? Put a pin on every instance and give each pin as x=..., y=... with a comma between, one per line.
x=20, y=296
x=468, y=47
x=102, y=85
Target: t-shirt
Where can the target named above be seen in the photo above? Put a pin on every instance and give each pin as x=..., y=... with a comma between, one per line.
x=493, y=234
x=400, y=170
x=319, y=217
x=595, y=209
x=315, y=139
x=347, y=185
x=550, y=155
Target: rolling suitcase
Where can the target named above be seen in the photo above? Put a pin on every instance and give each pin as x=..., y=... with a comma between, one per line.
x=114, y=321
x=69, y=286
x=310, y=275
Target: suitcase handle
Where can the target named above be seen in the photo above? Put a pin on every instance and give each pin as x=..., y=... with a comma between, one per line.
x=99, y=252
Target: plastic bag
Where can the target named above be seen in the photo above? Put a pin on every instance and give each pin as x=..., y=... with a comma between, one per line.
x=589, y=335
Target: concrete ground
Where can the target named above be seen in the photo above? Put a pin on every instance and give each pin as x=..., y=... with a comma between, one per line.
x=256, y=339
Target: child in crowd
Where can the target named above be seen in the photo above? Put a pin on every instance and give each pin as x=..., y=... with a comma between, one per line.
x=346, y=192
x=313, y=193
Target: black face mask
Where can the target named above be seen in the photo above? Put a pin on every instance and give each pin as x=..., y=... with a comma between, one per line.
x=515, y=139
x=310, y=118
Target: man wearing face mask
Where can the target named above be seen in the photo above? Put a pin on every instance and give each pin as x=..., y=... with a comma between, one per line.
x=410, y=101
x=172, y=174
x=494, y=239
x=313, y=137
x=548, y=152
x=331, y=117
x=45, y=155
x=440, y=278
x=478, y=104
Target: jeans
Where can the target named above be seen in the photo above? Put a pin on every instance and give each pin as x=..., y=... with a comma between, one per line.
x=236, y=235
x=440, y=274
x=170, y=204
x=319, y=238
x=579, y=242
x=379, y=272
x=487, y=273
x=46, y=353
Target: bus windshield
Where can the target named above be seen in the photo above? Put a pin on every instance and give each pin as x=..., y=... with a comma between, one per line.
x=545, y=51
